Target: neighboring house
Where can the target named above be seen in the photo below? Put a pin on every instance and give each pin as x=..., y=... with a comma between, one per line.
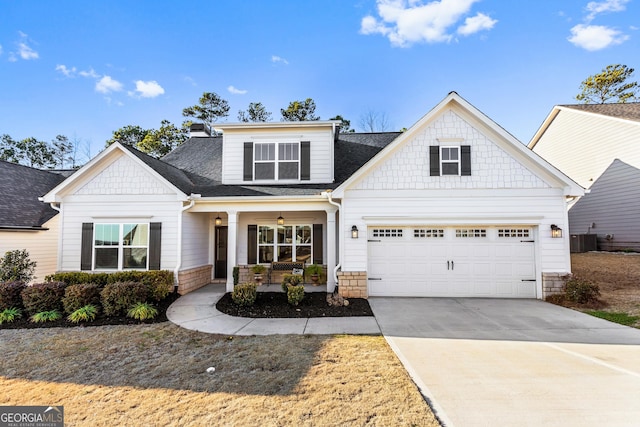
x=454, y=206
x=584, y=141
x=26, y=223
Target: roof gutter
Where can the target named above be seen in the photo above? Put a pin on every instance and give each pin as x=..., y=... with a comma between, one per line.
x=192, y=201
x=327, y=194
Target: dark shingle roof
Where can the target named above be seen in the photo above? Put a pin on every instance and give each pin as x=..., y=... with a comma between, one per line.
x=20, y=187
x=628, y=111
x=201, y=160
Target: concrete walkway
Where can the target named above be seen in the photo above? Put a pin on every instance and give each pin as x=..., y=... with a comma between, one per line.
x=197, y=311
x=492, y=362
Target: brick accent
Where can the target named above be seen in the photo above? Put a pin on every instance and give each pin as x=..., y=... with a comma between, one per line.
x=194, y=278
x=553, y=283
x=353, y=284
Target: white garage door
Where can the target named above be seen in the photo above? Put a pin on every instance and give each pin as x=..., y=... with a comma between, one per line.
x=452, y=262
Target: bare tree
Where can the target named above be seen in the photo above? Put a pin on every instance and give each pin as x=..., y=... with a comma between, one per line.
x=374, y=121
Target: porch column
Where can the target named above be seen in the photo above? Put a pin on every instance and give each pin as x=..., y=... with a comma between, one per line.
x=232, y=223
x=331, y=249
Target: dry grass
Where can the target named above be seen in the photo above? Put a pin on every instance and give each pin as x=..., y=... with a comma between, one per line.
x=156, y=375
x=617, y=275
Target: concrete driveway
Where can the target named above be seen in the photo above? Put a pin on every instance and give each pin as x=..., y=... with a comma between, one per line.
x=496, y=362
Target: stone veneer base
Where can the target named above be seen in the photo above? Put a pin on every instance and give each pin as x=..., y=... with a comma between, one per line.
x=353, y=284
x=193, y=278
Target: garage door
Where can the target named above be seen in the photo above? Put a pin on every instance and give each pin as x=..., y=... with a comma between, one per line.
x=452, y=262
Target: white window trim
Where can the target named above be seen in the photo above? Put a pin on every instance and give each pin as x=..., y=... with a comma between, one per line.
x=120, y=246
x=443, y=162
x=275, y=245
x=276, y=162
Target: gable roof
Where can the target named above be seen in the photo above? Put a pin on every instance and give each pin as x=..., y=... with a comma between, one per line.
x=629, y=112
x=19, y=192
x=507, y=141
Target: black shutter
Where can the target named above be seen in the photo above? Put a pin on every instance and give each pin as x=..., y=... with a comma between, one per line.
x=434, y=160
x=465, y=157
x=248, y=162
x=317, y=244
x=305, y=160
x=155, y=241
x=86, y=249
x=252, y=244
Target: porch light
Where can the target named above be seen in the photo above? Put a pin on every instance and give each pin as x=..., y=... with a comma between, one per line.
x=218, y=220
x=354, y=232
x=280, y=220
x=556, y=232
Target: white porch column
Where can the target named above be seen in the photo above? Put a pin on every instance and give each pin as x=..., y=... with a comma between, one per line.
x=331, y=249
x=232, y=223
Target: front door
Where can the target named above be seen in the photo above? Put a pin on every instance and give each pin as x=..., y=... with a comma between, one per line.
x=221, y=253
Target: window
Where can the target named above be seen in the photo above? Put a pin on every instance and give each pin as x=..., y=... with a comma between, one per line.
x=386, y=232
x=281, y=160
x=420, y=233
x=450, y=160
x=120, y=246
x=513, y=232
x=284, y=243
x=471, y=232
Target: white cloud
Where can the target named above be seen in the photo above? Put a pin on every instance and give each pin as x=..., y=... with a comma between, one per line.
x=91, y=73
x=595, y=37
x=26, y=52
x=236, y=91
x=276, y=58
x=594, y=7
x=0, y=49
x=12, y=57
x=106, y=85
x=476, y=23
x=67, y=72
x=405, y=22
x=149, y=89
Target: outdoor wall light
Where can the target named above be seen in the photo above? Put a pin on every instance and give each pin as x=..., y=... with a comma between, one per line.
x=218, y=220
x=556, y=232
x=280, y=220
x=354, y=232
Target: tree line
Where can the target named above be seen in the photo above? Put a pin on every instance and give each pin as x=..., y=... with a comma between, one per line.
x=59, y=153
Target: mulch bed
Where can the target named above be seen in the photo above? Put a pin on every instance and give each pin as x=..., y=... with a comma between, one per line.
x=101, y=319
x=274, y=305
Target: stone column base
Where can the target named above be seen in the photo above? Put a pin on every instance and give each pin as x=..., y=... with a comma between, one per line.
x=193, y=278
x=353, y=284
x=553, y=283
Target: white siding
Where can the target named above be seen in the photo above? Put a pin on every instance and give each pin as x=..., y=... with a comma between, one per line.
x=583, y=145
x=41, y=245
x=321, y=150
x=195, y=239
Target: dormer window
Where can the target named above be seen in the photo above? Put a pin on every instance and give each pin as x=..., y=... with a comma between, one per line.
x=276, y=161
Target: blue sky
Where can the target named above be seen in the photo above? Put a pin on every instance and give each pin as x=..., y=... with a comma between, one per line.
x=86, y=68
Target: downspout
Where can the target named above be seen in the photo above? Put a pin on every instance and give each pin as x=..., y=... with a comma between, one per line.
x=192, y=200
x=60, y=234
x=327, y=194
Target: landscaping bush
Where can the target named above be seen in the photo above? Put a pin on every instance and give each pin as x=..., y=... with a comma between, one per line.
x=10, y=295
x=42, y=297
x=581, y=291
x=46, y=316
x=87, y=313
x=295, y=294
x=291, y=280
x=119, y=297
x=8, y=315
x=245, y=294
x=142, y=311
x=81, y=295
x=15, y=266
x=159, y=284
x=77, y=277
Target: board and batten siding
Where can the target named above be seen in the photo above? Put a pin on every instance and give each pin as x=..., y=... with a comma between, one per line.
x=41, y=245
x=583, y=145
x=321, y=151
x=613, y=205
x=195, y=239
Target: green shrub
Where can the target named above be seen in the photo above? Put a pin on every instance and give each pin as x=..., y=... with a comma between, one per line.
x=87, y=313
x=46, y=316
x=77, y=277
x=581, y=291
x=15, y=266
x=557, y=299
x=291, y=280
x=159, y=283
x=142, y=311
x=118, y=297
x=295, y=294
x=43, y=297
x=258, y=269
x=8, y=315
x=80, y=295
x=245, y=294
x=10, y=294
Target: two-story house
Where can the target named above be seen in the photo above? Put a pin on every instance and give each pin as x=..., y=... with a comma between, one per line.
x=454, y=206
